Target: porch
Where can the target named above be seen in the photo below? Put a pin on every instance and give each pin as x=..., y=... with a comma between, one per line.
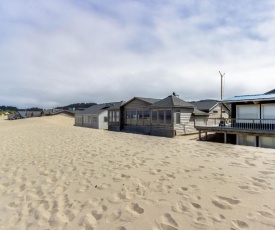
x=256, y=127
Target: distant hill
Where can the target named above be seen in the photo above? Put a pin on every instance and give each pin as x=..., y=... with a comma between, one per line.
x=8, y=108
x=32, y=109
x=77, y=106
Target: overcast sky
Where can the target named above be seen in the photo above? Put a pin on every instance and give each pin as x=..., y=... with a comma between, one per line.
x=55, y=53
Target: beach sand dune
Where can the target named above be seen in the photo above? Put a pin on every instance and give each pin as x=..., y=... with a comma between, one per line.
x=54, y=175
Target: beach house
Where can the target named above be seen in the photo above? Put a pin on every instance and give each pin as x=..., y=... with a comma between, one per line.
x=166, y=117
x=95, y=116
x=252, y=122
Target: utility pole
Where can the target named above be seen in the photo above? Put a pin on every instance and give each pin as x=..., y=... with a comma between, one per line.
x=222, y=75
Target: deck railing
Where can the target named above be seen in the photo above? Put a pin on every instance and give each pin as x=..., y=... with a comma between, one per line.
x=237, y=123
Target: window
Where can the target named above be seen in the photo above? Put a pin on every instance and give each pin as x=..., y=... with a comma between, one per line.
x=128, y=117
x=77, y=119
x=161, y=116
x=215, y=111
x=154, y=116
x=139, y=118
x=133, y=117
x=89, y=119
x=168, y=117
x=105, y=119
x=177, y=116
x=94, y=119
x=116, y=116
x=110, y=116
x=146, y=117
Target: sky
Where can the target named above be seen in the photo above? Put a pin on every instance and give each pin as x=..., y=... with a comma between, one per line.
x=54, y=53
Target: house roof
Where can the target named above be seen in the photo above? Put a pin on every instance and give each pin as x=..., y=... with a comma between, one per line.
x=199, y=112
x=22, y=114
x=117, y=105
x=271, y=91
x=172, y=101
x=97, y=109
x=256, y=97
x=204, y=105
x=148, y=100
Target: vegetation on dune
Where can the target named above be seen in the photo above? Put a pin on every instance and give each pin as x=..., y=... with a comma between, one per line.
x=77, y=106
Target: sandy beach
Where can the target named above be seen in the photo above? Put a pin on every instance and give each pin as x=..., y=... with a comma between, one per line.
x=54, y=175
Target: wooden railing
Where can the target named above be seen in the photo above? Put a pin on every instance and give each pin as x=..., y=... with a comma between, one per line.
x=237, y=123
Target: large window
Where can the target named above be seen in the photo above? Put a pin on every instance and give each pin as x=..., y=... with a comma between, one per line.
x=133, y=117
x=128, y=117
x=168, y=117
x=110, y=116
x=89, y=119
x=79, y=119
x=154, y=116
x=161, y=116
x=117, y=116
x=139, y=117
x=146, y=117
x=94, y=119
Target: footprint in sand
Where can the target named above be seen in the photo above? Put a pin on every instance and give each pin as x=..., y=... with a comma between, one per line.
x=88, y=222
x=225, y=202
x=135, y=209
x=166, y=222
x=180, y=207
x=57, y=219
x=71, y=214
x=120, y=228
x=266, y=214
x=240, y=224
x=181, y=190
x=97, y=215
x=113, y=216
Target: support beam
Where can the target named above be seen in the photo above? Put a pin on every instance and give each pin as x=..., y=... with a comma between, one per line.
x=206, y=136
x=225, y=137
x=200, y=135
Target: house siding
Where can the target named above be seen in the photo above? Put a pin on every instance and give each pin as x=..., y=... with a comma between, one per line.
x=101, y=123
x=218, y=114
x=186, y=125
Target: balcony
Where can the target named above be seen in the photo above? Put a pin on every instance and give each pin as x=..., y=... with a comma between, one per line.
x=236, y=125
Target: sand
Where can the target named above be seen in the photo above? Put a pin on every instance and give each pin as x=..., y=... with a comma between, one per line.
x=57, y=176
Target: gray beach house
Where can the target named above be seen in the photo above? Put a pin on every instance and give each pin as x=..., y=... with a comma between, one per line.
x=166, y=117
x=95, y=116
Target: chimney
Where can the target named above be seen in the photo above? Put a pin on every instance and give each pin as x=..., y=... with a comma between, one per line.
x=175, y=95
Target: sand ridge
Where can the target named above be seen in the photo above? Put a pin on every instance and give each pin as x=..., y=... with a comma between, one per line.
x=57, y=176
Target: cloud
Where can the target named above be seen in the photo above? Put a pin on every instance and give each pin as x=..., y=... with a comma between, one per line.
x=55, y=53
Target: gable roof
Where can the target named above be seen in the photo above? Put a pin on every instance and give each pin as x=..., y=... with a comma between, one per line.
x=148, y=101
x=199, y=112
x=171, y=102
x=244, y=98
x=271, y=91
x=204, y=105
x=22, y=114
x=97, y=109
x=207, y=105
x=116, y=106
